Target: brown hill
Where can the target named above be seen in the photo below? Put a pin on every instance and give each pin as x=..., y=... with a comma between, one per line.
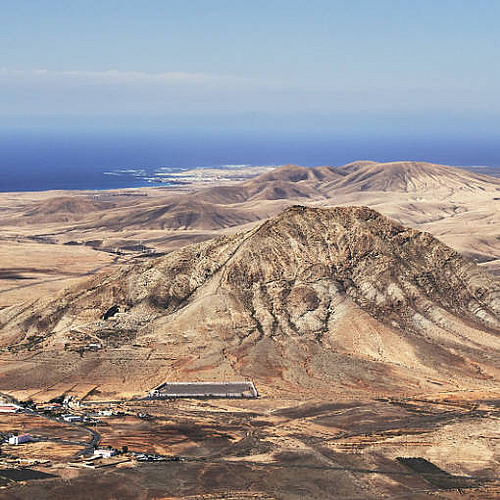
x=265, y=195
x=410, y=177
x=65, y=208
x=47, y=209
x=287, y=182
x=295, y=182
x=329, y=301
x=187, y=212
x=337, y=185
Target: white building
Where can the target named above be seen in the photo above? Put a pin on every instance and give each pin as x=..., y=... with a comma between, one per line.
x=73, y=418
x=9, y=408
x=104, y=453
x=23, y=438
x=106, y=413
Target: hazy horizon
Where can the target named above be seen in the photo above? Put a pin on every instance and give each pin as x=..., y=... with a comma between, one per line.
x=323, y=59
x=121, y=84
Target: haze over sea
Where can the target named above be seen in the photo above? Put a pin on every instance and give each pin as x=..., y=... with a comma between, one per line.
x=93, y=87
x=68, y=159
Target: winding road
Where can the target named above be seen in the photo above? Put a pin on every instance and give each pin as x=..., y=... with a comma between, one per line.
x=88, y=447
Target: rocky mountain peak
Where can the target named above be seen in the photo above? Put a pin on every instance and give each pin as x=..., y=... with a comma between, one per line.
x=311, y=293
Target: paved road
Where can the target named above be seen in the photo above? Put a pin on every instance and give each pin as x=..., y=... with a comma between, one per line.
x=88, y=447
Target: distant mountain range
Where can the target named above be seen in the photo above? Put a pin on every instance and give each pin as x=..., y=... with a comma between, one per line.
x=458, y=206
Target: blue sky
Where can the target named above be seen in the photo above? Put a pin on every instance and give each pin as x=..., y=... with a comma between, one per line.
x=267, y=63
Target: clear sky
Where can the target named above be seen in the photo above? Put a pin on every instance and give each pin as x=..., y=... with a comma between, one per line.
x=432, y=62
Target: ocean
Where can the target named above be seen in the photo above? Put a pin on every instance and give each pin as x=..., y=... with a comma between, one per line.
x=43, y=160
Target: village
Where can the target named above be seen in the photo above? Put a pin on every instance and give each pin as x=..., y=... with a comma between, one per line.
x=39, y=439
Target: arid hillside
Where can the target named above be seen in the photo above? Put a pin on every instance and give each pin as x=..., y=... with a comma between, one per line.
x=292, y=181
x=319, y=300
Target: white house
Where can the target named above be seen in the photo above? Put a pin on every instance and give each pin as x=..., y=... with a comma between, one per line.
x=106, y=413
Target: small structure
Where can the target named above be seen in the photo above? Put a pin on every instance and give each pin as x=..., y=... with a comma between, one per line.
x=72, y=418
x=148, y=457
x=48, y=406
x=105, y=413
x=94, y=347
x=23, y=438
x=98, y=462
x=9, y=408
x=104, y=452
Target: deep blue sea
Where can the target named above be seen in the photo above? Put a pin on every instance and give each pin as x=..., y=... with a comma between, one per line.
x=35, y=160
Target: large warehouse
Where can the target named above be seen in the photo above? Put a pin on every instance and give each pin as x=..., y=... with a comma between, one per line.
x=244, y=389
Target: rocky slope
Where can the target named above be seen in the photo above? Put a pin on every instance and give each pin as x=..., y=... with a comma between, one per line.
x=339, y=299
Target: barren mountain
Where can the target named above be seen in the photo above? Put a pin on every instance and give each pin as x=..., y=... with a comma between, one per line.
x=287, y=182
x=337, y=300
x=411, y=177
x=374, y=347
x=456, y=205
x=292, y=181
x=62, y=209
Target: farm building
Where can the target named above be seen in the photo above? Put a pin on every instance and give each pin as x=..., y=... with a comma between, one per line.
x=48, y=406
x=104, y=453
x=23, y=438
x=244, y=389
x=93, y=347
x=73, y=418
x=106, y=413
